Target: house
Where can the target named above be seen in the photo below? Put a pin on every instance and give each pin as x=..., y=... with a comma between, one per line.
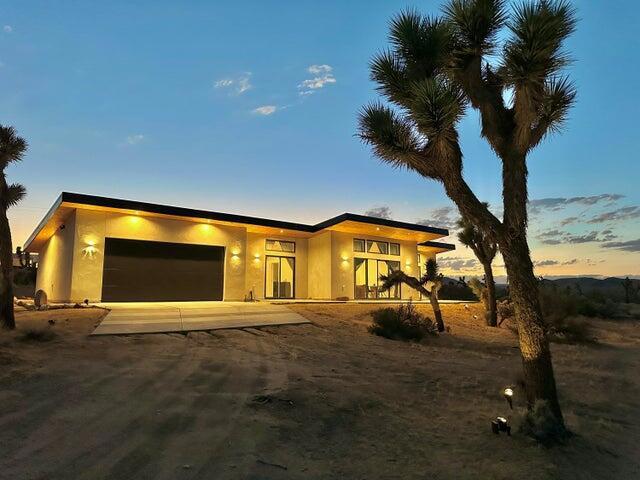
x=113, y=250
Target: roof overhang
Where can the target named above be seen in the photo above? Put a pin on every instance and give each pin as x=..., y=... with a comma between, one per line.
x=347, y=222
x=435, y=247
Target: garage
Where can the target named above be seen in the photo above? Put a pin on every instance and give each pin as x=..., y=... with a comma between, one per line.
x=145, y=271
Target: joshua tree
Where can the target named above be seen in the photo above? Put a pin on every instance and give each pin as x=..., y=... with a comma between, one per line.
x=436, y=67
x=12, y=148
x=428, y=285
x=485, y=249
x=629, y=289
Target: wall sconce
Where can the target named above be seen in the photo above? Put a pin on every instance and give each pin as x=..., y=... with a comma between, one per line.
x=89, y=251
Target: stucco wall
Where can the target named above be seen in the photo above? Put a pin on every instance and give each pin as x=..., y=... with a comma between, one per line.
x=320, y=266
x=93, y=227
x=256, y=260
x=55, y=262
x=342, y=275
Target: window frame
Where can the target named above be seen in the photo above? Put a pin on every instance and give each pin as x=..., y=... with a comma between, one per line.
x=364, y=245
x=267, y=249
x=377, y=241
x=390, y=252
x=293, y=286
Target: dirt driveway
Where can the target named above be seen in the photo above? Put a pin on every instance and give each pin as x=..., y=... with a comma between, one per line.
x=326, y=400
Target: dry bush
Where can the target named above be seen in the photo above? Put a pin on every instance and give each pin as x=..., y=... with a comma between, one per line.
x=402, y=323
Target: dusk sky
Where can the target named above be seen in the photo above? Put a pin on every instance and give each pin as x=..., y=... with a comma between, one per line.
x=251, y=107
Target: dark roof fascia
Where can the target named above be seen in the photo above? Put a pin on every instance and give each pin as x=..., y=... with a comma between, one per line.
x=179, y=211
x=380, y=221
x=431, y=243
x=107, y=202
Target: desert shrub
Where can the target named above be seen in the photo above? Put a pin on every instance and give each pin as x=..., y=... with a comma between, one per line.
x=37, y=335
x=402, y=323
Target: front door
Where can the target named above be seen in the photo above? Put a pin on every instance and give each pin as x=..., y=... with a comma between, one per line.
x=280, y=277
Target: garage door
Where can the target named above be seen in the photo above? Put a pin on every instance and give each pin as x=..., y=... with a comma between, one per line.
x=143, y=271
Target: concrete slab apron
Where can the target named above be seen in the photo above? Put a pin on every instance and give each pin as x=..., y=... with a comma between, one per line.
x=191, y=316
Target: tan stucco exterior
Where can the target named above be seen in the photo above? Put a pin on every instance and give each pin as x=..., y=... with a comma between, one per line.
x=72, y=252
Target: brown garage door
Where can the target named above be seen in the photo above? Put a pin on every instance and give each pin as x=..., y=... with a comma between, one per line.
x=143, y=271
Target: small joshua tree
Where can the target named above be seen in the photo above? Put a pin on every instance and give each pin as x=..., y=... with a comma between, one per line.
x=630, y=289
x=12, y=148
x=428, y=285
x=485, y=250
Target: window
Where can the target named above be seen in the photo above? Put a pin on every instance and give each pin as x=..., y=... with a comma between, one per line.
x=367, y=272
x=374, y=246
x=280, y=246
x=394, y=248
x=358, y=245
x=279, y=277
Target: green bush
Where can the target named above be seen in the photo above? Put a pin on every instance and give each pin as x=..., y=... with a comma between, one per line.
x=402, y=323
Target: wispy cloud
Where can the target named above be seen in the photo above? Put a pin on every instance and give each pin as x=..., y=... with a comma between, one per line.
x=558, y=203
x=323, y=75
x=443, y=217
x=379, y=212
x=135, y=139
x=265, y=110
x=236, y=85
x=627, y=246
x=457, y=264
x=550, y=262
x=7, y=29
x=556, y=237
x=624, y=213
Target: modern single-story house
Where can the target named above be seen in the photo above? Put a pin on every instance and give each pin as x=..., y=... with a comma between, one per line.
x=112, y=250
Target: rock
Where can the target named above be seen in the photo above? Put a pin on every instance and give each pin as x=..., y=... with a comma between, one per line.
x=40, y=299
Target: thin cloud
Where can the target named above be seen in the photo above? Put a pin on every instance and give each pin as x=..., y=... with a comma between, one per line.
x=237, y=85
x=558, y=203
x=265, y=110
x=379, y=212
x=556, y=237
x=442, y=217
x=323, y=75
x=568, y=221
x=550, y=262
x=627, y=246
x=135, y=139
x=457, y=264
x=7, y=29
x=624, y=213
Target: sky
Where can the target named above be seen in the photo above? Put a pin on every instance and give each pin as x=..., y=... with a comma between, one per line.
x=251, y=107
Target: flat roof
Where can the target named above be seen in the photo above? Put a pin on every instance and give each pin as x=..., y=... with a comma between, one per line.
x=79, y=200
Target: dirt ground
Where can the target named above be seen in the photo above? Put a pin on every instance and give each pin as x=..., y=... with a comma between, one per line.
x=326, y=400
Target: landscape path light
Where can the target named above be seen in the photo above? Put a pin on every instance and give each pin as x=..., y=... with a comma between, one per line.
x=500, y=424
x=507, y=393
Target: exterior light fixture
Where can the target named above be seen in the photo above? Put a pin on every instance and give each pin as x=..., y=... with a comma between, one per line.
x=507, y=393
x=377, y=229
x=500, y=424
x=281, y=231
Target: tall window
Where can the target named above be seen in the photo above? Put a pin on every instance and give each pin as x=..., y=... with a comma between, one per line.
x=367, y=272
x=279, y=277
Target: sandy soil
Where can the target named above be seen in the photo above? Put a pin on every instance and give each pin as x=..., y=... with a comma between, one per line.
x=326, y=400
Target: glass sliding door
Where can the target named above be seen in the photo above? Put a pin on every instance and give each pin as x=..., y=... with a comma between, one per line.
x=360, y=280
x=279, y=277
x=367, y=283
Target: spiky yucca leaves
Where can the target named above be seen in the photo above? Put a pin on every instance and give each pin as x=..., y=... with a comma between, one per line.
x=12, y=149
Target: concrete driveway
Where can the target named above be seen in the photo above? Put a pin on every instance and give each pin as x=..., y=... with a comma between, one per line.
x=163, y=317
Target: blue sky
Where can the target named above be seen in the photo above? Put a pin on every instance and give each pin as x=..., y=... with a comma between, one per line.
x=156, y=100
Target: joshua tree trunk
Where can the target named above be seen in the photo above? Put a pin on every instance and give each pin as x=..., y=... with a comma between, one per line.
x=7, y=319
x=492, y=313
x=534, y=346
x=435, y=305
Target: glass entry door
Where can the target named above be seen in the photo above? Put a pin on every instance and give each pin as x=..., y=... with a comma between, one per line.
x=367, y=281
x=279, y=277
